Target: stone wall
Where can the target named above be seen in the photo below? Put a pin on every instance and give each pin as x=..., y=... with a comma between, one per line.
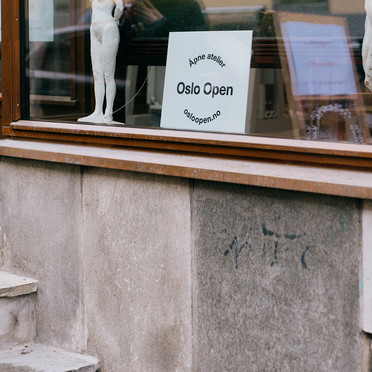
x=154, y=273
x=277, y=277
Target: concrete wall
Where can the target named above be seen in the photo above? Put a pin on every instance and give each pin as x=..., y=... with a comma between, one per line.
x=154, y=273
x=277, y=277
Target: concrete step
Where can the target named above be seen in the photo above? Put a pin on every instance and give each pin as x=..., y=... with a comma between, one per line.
x=14, y=285
x=17, y=310
x=40, y=358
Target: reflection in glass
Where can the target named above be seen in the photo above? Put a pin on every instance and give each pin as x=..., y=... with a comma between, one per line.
x=50, y=63
x=283, y=65
x=1, y=79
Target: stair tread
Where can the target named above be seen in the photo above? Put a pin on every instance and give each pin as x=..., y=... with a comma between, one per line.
x=14, y=285
x=40, y=358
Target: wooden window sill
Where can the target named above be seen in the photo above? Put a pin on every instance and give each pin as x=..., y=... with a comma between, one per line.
x=331, y=154
x=356, y=183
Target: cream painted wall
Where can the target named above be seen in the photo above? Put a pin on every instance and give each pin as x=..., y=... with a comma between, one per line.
x=336, y=6
x=346, y=6
x=223, y=3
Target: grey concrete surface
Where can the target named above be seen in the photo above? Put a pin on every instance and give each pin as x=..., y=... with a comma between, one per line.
x=277, y=280
x=366, y=286
x=17, y=320
x=40, y=358
x=150, y=274
x=5, y=250
x=40, y=217
x=17, y=310
x=14, y=285
x=137, y=271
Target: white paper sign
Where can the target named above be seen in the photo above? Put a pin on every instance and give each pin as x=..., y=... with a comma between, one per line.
x=206, y=81
x=41, y=20
x=321, y=61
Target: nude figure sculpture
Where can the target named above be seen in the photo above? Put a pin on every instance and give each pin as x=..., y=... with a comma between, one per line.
x=367, y=46
x=104, y=38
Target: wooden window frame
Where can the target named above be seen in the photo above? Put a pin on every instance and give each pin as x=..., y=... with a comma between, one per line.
x=214, y=145
x=10, y=58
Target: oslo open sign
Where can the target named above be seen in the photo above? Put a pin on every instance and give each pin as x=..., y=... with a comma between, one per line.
x=206, y=81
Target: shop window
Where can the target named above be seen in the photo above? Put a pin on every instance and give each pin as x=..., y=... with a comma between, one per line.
x=58, y=85
x=1, y=80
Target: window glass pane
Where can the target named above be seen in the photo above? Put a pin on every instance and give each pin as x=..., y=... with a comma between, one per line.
x=1, y=80
x=307, y=79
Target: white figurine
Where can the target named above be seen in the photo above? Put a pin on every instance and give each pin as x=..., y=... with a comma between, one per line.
x=104, y=38
x=367, y=46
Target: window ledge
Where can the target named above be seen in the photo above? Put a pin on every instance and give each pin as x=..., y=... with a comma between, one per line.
x=306, y=178
x=294, y=151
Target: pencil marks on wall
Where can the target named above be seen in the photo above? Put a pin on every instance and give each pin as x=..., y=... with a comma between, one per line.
x=270, y=245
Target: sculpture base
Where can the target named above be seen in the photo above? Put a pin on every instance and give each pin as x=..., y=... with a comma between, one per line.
x=99, y=120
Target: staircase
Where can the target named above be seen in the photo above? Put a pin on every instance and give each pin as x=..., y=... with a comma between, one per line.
x=18, y=350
